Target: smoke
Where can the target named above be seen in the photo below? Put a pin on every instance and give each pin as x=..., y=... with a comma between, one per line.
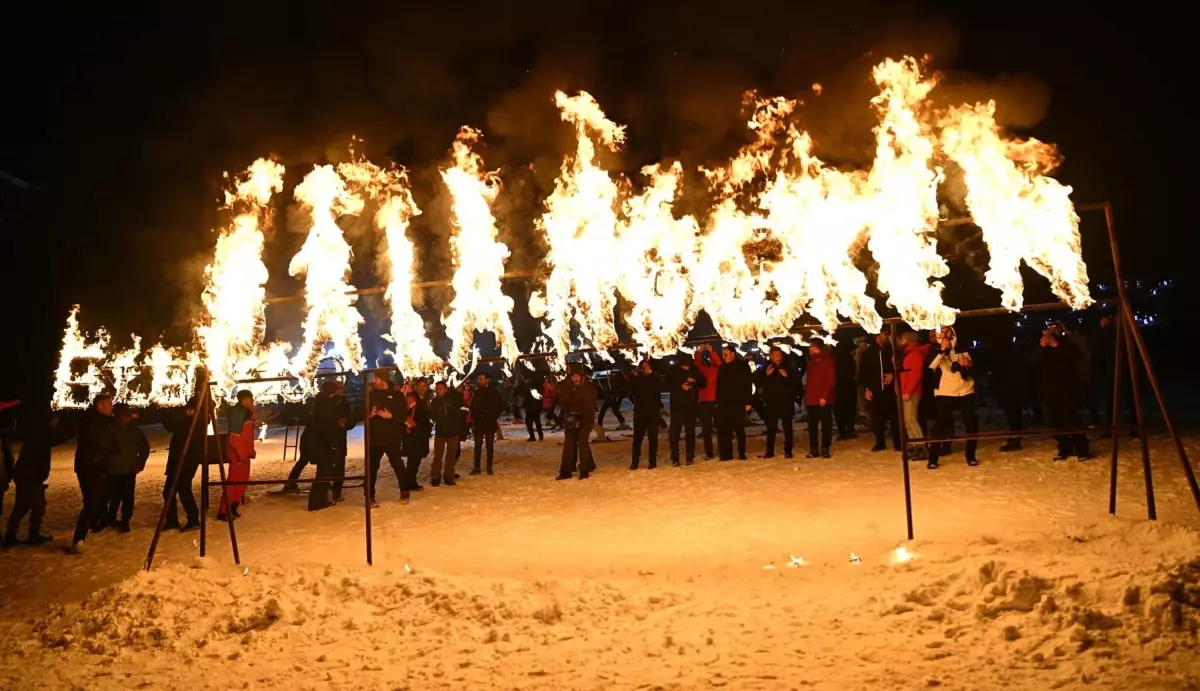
x=404, y=81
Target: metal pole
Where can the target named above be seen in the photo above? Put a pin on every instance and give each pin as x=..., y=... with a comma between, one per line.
x=173, y=484
x=204, y=483
x=224, y=489
x=1151, y=512
x=368, y=487
x=1118, y=353
x=903, y=433
x=1136, y=340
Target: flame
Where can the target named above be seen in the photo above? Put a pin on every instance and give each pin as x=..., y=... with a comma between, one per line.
x=479, y=304
x=1023, y=214
x=77, y=347
x=231, y=338
x=661, y=251
x=781, y=239
x=324, y=261
x=904, y=209
x=580, y=224
x=390, y=189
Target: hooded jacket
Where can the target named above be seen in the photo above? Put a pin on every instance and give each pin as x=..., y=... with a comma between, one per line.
x=955, y=378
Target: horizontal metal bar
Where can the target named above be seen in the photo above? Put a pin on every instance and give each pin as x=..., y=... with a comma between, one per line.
x=285, y=481
x=1000, y=434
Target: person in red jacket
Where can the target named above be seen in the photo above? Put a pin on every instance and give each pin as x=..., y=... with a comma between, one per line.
x=707, y=363
x=912, y=385
x=820, y=397
x=549, y=400
x=239, y=450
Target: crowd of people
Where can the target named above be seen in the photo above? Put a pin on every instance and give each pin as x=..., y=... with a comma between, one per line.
x=923, y=380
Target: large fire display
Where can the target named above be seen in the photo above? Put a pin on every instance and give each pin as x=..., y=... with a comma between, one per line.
x=607, y=236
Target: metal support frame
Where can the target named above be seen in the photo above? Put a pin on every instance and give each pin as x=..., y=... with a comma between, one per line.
x=1128, y=337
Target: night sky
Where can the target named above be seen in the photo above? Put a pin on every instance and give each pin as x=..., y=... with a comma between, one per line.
x=123, y=123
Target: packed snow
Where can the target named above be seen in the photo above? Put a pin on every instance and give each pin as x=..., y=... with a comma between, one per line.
x=737, y=575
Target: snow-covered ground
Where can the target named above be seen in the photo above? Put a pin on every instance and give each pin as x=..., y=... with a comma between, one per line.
x=676, y=578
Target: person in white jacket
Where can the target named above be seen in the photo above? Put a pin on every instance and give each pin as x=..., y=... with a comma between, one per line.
x=955, y=391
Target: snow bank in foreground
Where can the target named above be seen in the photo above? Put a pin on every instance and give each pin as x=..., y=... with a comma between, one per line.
x=1112, y=606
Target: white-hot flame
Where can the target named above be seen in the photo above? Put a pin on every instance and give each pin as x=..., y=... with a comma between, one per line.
x=580, y=224
x=479, y=303
x=324, y=261
x=1023, y=214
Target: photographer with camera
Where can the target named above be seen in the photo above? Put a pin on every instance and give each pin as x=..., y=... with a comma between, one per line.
x=577, y=395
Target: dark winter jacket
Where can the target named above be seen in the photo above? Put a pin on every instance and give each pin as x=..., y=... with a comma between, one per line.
x=178, y=425
x=580, y=401
x=778, y=385
x=734, y=385
x=685, y=401
x=446, y=412
x=417, y=441
x=96, y=441
x=321, y=431
x=486, y=405
x=387, y=433
x=1057, y=371
x=822, y=380
x=33, y=465
x=134, y=449
x=646, y=390
x=875, y=363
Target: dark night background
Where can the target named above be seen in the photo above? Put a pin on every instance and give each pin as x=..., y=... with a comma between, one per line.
x=122, y=121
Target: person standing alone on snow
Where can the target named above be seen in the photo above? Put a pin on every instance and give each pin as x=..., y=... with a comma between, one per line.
x=577, y=395
x=647, y=397
x=955, y=391
x=820, y=397
x=778, y=383
x=734, y=390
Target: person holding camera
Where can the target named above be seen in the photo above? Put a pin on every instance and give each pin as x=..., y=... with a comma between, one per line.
x=955, y=391
x=577, y=396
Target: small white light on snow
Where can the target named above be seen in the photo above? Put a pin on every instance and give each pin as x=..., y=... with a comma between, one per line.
x=407, y=568
x=902, y=555
x=794, y=562
x=855, y=559
x=769, y=567
x=246, y=571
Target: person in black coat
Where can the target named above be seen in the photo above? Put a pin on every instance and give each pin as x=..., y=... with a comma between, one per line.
x=734, y=392
x=1058, y=382
x=446, y=412
x=123, y=467
x=647, y=400
x=320, y=443
x=778, y=383
x=684, y=384
x=877, y=373
x=29, y=474
x=846, y=408
x=486, y=407
x=532, y=406
x=419, y=426
x=185, y=464
x=97, y=440
x=386, y=412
